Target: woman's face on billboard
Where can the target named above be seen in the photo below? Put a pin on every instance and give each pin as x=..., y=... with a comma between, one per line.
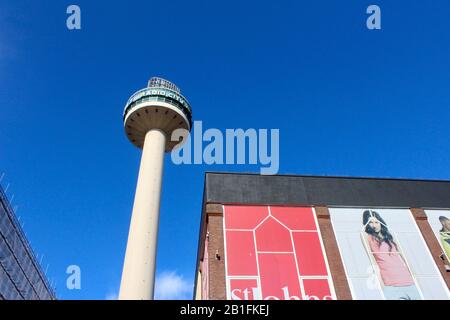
x=375, y=224
x=446, y=224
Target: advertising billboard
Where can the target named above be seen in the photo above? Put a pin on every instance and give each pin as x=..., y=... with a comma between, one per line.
x=275, y=253
x=440, y=223
x=385, y=256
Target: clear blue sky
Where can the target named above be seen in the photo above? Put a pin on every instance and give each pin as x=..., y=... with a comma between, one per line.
x=347, y=101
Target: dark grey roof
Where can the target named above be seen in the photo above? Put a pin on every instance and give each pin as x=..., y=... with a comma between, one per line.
x=325, y=190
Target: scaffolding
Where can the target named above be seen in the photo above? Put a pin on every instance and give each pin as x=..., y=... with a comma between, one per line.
x=21, y=275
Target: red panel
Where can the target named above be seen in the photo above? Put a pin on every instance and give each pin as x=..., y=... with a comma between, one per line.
x=309, y=254
x=272, y=236
x=244, y=217
x=295, y=218
x=317, y=289
x=278, y=274
x=244, y=289
x=279, y=279
x=241, y=257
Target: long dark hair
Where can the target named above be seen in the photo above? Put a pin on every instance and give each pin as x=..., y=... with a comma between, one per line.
x=386, y=236
x=442, y=219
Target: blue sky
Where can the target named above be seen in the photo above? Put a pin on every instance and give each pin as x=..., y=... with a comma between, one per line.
x=348, y=101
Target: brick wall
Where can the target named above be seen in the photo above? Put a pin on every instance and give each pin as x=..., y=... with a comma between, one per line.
x=216, y=265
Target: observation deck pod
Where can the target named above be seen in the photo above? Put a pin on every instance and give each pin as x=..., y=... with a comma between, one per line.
x=159, y=106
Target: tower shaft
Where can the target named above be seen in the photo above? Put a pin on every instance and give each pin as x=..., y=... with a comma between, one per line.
x=138, y=274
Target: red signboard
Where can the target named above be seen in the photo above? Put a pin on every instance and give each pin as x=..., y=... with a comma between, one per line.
x=274, y=253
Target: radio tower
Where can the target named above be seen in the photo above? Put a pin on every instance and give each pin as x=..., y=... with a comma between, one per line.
x=150, y=117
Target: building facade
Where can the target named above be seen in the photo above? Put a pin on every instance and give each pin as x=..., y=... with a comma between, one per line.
x=288, y=237
x=21, y=277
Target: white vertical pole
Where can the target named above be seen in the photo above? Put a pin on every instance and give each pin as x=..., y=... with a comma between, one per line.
x=138, y=274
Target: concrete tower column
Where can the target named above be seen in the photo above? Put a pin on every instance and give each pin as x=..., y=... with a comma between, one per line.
x=140, y=258
x=150, y=117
